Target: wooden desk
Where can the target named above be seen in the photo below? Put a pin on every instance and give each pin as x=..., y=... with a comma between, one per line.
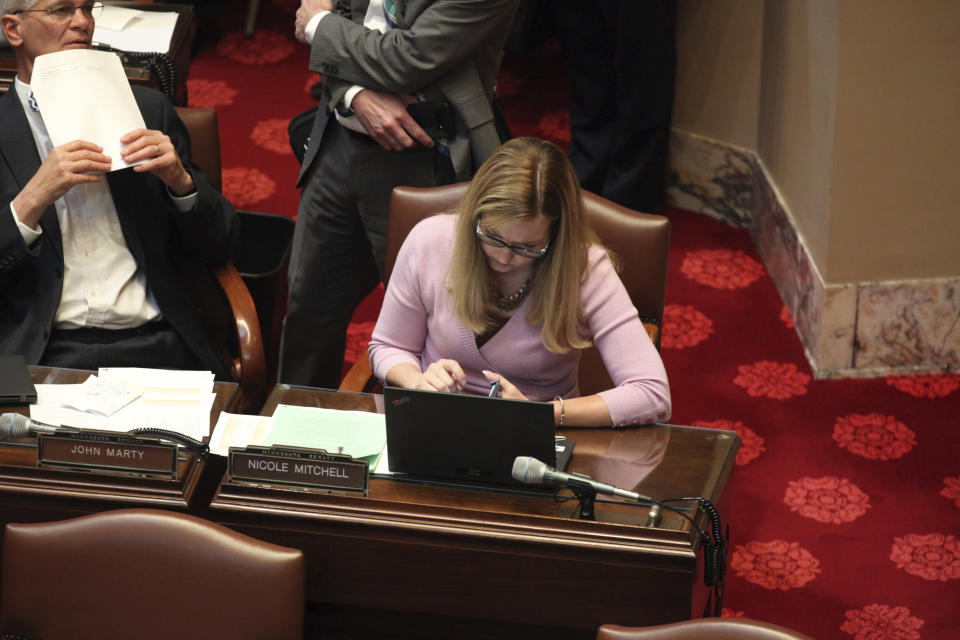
x=428, y=559
x=29, y=493
x=180, y=50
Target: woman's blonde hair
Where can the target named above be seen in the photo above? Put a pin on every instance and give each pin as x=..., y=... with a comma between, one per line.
x=523, y=179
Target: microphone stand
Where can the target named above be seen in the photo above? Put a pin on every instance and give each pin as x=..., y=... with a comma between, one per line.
x=587, y=499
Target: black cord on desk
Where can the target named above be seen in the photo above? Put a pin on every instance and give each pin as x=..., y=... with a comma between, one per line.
x=159, y=64
x=714, y=542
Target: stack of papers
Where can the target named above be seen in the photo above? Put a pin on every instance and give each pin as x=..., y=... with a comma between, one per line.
x=121, y=399
x=359, y=434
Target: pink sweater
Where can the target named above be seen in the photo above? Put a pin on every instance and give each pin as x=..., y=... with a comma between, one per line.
x=417, y=325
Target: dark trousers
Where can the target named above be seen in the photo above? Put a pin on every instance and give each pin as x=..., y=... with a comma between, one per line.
x=621, y=62
x=338, y=247
x=155, y=344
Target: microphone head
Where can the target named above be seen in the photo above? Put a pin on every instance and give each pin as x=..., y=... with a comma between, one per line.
x=529, y=470
x=14, y=425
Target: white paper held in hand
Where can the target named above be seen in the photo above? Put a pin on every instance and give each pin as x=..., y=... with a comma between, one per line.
x=84, y=94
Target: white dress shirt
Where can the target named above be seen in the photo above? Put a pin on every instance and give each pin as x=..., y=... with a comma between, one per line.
x=102, y=285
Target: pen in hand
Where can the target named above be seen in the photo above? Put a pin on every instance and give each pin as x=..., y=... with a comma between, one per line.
x=494, y=388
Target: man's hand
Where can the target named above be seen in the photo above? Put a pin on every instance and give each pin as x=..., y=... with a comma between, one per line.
x=161, y=159
x=507, y=388
x=64, y=167
x=444, y=375
x=308, y=9
x=385, y=118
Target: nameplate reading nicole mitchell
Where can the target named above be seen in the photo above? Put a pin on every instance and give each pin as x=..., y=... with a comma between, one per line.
x=297, y=467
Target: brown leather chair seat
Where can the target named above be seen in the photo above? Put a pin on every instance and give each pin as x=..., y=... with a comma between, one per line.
x=147, y=574
x=702, y=629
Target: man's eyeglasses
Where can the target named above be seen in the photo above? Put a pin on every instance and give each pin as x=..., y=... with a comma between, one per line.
x=524, y=252
x=65, y=12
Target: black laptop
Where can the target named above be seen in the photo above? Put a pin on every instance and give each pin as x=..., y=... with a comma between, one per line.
x=16, y=387
x=466, y=437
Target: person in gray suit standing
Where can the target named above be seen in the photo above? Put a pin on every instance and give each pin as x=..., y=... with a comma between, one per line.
x=408, y=90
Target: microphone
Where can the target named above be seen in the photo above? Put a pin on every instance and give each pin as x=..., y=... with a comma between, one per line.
x=533, y=471
x=16, y=425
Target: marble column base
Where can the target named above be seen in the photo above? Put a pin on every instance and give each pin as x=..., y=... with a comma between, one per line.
x=865, y=329
x=711, y=178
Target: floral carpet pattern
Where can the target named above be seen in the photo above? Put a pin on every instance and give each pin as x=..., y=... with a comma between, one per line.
x=845, y=514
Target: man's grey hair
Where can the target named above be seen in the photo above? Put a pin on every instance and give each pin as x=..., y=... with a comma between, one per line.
x=9, y=6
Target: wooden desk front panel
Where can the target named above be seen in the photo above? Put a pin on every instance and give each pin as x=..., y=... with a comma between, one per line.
x=485, y=561
x=474, y=565
x=29, y=493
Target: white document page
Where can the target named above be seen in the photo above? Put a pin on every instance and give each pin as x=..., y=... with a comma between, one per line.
x=237, y=430
x=383, y=464
x=84, y=94
x=159, y=380
x=191, y=417
x=115, y=18
x=94, y=396
x=146, y=31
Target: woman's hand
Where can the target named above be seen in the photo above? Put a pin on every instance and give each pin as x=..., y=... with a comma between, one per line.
x=443, y=375
x=507, y=389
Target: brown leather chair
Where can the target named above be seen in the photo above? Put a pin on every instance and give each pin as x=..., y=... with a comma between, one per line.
x=230, y=315
x=146, y=573
x=702, y=629
x=640, y=241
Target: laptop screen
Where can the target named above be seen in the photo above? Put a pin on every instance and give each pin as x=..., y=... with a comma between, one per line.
x=465, y=437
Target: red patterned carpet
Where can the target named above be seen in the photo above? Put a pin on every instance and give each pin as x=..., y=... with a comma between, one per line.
x=846, y=515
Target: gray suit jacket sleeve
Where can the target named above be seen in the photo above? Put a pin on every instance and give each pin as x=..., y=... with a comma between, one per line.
x=447, y=49
x=441, y=35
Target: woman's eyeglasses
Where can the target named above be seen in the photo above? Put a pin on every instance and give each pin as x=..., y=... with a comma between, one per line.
x=65, y=12
x=524, y=252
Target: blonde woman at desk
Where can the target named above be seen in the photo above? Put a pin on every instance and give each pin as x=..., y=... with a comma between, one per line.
x=511, y=288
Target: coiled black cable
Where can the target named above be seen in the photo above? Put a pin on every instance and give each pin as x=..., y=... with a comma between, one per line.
x=173, y=436
x=159, y=64
x=713, y=541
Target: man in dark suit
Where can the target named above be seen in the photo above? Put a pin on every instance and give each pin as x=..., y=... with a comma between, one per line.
x=621, y=63
x=376, y=58
x=91, y=263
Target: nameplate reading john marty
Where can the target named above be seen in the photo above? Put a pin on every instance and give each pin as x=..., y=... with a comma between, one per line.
x=108, y=452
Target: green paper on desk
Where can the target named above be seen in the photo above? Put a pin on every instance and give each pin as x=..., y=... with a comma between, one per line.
x=358, y=434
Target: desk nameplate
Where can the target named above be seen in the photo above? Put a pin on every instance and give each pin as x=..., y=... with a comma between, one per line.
x=107, y=451
x=298, y=467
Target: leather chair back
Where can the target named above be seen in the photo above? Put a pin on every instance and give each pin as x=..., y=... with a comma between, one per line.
x=147, y=574
x=702, y=629
x=201, y=123
x=640, y=241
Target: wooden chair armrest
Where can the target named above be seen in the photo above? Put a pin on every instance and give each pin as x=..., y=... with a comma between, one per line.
x=360, y=376
x=250, y=369
x=653, y=330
